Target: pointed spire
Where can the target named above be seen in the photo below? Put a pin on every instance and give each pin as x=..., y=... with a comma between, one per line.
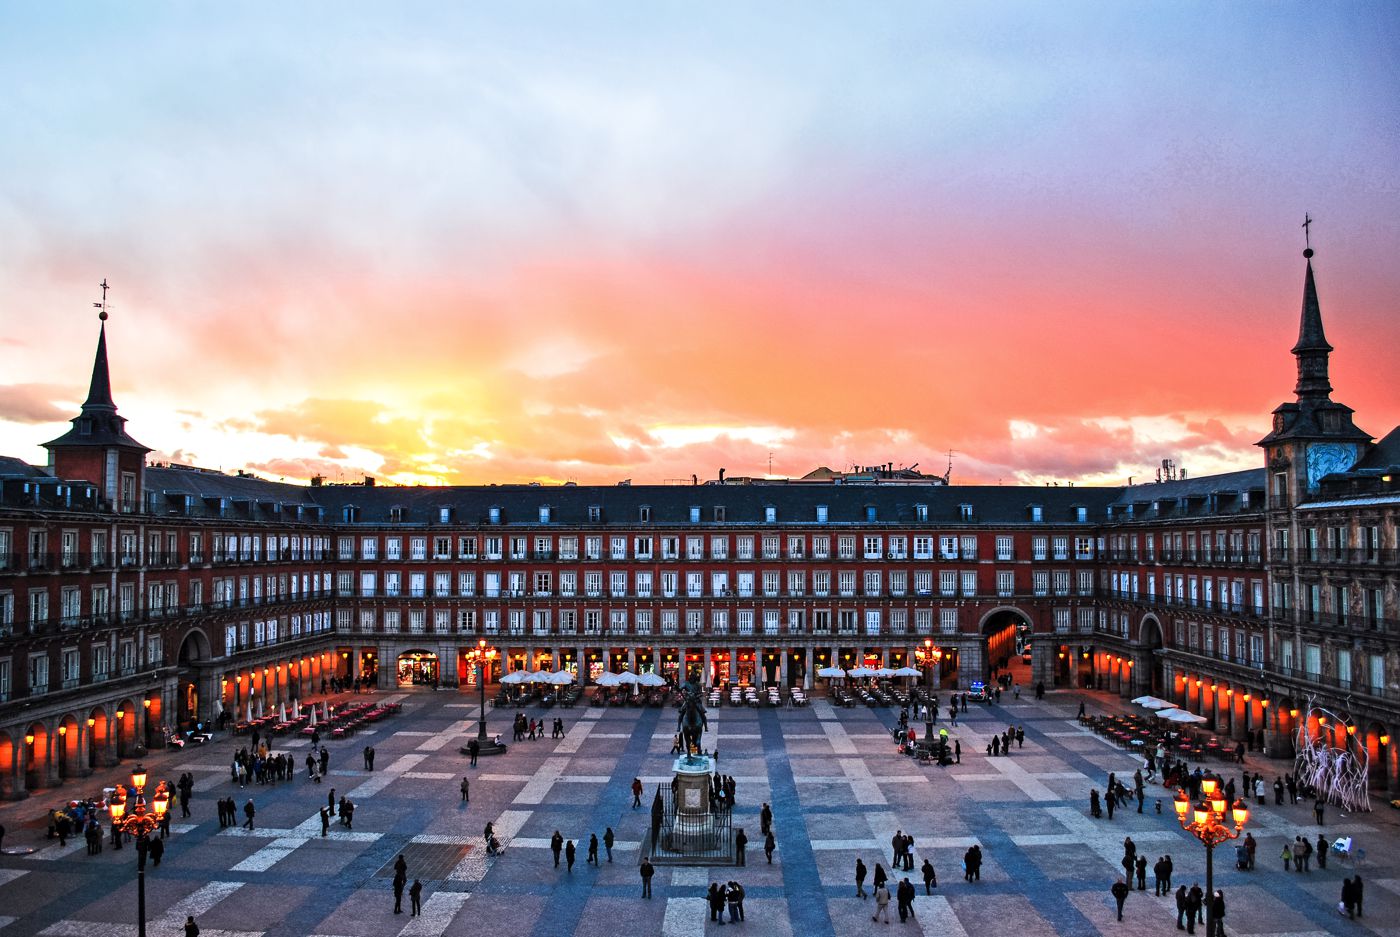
x=1311, y=349
x=100, y=389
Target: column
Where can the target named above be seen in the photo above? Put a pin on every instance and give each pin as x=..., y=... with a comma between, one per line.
x=783, y=668
x=632, y=659
x=807, y=668
x=705, y=674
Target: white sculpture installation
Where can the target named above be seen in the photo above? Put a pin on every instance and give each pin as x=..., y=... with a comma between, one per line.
x=1337, y=774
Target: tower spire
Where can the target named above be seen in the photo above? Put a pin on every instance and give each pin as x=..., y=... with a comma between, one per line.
x=1311, y=349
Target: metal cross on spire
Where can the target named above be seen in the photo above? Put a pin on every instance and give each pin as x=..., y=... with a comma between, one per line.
x=102, y=305
x=1307, y=223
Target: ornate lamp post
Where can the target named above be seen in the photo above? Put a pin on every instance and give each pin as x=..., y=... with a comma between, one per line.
x=1208, y=822
x=481, y=657
x=139, y=822
x=929, y=656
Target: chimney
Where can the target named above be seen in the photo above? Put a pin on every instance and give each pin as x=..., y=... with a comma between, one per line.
x=695, y=479
x=721, y=475
x=369, y=481
x=317, y=481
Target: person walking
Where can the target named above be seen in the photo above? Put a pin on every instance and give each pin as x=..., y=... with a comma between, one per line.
x=860, y=878
x=882, y=902
x=1317, y=812
x=592, y=849
x=765, y=819
x=330, y=801
x=769, y=844
x=473, y=749
x=466, y=792
x=366, y=753
x=1286, y=856
x=415, y=899
x=930, y=877
x=325, y=822
x=1120, y=894
x=248, y=811
x=636, y=793
x=1321, y=851
x=741, y=840
x=191, y=928
x=904, y=896
x=570, y=851
x=608, y=840
x=556, y=845
x=1358, y=892
x=647, y=871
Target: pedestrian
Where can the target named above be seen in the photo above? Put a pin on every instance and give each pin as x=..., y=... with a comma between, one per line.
x=769, y=844
x=860, y=878
x=191, y=928
x=1158, y=880
x=1348, y=903
x=570, y=851
x=473, y=749
x=647, y=871
x=765, y=819
x=1286, y=856
x=399, y=884
x=731, y=895
x=367, y=764
x=904, y=899
x=466, y=791
x=330, y=801
x=592, y=849
x=1317, y=811
x=1195, y=899
x=1142, y=873
x=156, y=850
x=882, y=902
x=1358, y=892
x=716, y=898
x=1321, y=851
x=608, y=840
x=1217, y=914
x=636, y=793
x=1120, y=894
x=325, y=822
x=248, y=811
x=1182, y=904
x=1251, y=845
x=741, y=840
x=556, y=845
x=415, y=899
x=930, y=877
x=957, y=751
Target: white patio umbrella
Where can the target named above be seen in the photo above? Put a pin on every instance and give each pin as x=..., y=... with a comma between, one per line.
x=251, y=717
x=540, y=676
x=628, y=677
x=831, y=672
x=862, y=672
x=908, y=672
x=609, y=679
x=1152, y=702
x=515, y=677
x=561, y=678
x=281, y=712
x=884, y=672
x=1166, y=713
x=651, y=679
x=296, y=709
x=1182, y=715
x=313, y=716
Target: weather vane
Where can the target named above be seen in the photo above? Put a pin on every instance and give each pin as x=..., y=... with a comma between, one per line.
x=102, y=305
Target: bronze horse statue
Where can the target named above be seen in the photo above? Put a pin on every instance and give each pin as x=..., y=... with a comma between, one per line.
x=692, y=722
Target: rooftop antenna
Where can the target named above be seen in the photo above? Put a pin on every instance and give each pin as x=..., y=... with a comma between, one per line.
x=770, y=461
x=102, y=316
x=948, y=477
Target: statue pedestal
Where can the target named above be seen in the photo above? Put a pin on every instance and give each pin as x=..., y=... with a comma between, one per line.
x=693, y=830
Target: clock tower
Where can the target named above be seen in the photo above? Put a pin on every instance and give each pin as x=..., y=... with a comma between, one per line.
x=1313, y=436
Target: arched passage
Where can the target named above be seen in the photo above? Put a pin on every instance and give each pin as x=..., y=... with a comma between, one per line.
x=66, y=748
x=124, y=725
x=99, y=739
x=8, y=754
x=194, y=648
x=1150, y=666
x=36, y=755
x=998, y=631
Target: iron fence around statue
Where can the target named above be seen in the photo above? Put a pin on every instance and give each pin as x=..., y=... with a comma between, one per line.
x=678, y=838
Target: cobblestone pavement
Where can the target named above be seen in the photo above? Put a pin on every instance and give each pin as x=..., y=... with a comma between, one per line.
x=838, y=791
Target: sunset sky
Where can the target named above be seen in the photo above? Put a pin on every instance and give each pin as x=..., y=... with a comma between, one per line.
x=566, y=241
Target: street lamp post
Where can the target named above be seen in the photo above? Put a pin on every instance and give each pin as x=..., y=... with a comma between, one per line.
x=931, y=657
x=481, y=658
x=140, y=822
x=1207, y=821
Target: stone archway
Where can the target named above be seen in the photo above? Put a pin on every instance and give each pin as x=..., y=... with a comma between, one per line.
x=99, y=738
x=67, y=748
x=128, y=744
x=194, y=649
x=8, y=753
x=1149, y=666
x=36, y=755
x=997, y=637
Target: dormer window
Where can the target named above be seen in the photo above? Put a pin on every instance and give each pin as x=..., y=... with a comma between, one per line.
x=870, y=513
x=85, y=426
x=396, y=515
x=644, y=514
x=544, y=514
x=494, y=514
x=595, y=513
x=349, y=514
x=965, y=512
x=695, y=513
x=444, y=515
x=719, y=513
x=1037, y=513
x=770, y=514
x=1081, y=514
x=921, y=512
x=822, y=514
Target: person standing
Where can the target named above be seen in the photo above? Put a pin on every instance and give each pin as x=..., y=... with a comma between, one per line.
x=1182, y=903
x=466, y=791
x=415, y=899
x=248, y=811
x=716, y=897
x=1195, y=904
x=731, y=896
x=366, y=753
x=1358, y=892
x=556, y=845
x=647, y=871
x=1321, y=851
x=882, y=902
x=1317, y=812
x=904, y=894
x=473, y=749
x=1120, y=894
x=399, y=884
x=1142, y=873
x=1348, y=898
x=930, y=877
x=570, y=851
x=860, y=877
x=1217, y=914
x=765, y=819
x=330, y=801
x=608, y=840
x=957, y=752
x=325, y=822
x=769, y=844
x=741, y=840
x=592, y=849
x=191, y=928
